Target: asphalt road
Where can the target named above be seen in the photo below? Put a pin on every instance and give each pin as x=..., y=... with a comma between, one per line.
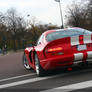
x=14, y=77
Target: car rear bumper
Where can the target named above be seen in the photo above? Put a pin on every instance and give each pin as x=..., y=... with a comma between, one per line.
x=66, y=60
x=55, y=62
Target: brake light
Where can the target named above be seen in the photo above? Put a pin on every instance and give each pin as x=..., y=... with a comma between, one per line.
x=81, y=38
x=55, y=49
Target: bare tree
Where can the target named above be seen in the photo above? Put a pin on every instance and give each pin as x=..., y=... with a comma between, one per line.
x=77, y=15
x=17, y=33
x=15, y=25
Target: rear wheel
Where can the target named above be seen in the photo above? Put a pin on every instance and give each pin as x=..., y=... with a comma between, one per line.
x=38, y=68
x=26, y=63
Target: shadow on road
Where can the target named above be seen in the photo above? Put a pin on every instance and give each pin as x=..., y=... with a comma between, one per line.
x=75, y=70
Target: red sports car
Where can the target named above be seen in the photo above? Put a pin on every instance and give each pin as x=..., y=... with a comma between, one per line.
x=59, y=48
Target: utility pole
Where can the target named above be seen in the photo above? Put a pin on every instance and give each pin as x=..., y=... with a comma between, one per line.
x=60, y=13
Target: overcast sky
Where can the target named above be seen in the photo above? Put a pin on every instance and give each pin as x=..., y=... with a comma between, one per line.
x=46, y=11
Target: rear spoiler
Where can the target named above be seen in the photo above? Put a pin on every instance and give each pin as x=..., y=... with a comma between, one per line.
x=74, y=40
x=58, y=41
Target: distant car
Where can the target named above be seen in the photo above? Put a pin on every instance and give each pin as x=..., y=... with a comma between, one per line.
x=59, y=48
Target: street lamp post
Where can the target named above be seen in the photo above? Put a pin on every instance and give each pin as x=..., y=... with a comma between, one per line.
x=60, y=13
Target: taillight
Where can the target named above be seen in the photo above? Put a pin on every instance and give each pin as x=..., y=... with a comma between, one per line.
x=55, y=49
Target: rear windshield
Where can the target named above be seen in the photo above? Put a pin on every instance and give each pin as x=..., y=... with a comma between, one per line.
x=66, y=33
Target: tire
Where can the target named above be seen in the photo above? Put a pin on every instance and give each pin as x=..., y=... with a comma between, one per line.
x=39, y=70
x=26, y=63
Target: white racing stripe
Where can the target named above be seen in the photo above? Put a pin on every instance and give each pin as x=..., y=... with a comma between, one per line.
x=16, y=77
x=78, y=56
x=87, y=39
x=74, y=41
x=71, y=87
x=89, y=54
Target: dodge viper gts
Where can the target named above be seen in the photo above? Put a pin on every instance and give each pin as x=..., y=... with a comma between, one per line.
x=59, y=48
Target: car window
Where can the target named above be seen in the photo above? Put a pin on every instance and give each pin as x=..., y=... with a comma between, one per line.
x=66, y=33
x=40, y=39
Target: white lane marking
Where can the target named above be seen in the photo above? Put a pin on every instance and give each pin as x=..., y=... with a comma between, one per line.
x=16, y=77
x=25, y=81
x=36, y=79
x=72, y=87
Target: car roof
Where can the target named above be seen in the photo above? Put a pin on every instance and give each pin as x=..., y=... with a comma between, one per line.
x=54, y=30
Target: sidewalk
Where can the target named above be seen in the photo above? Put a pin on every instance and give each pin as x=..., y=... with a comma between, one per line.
x=11, y=52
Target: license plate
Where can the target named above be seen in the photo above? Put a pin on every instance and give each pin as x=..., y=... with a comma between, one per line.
x=81, y=47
